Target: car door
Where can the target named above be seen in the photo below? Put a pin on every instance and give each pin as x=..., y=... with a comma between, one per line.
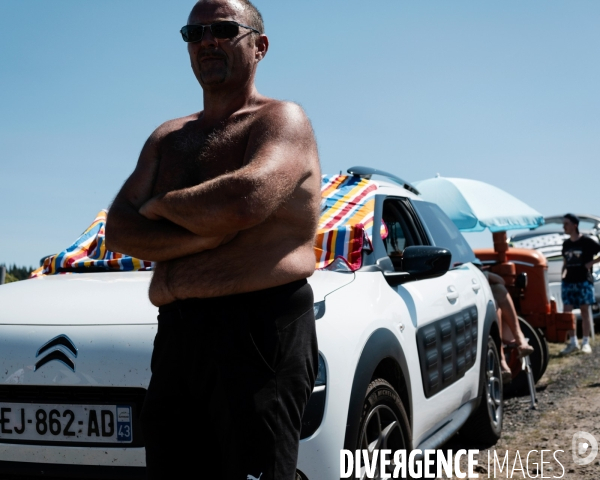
x=465, y=285
x=444, y=316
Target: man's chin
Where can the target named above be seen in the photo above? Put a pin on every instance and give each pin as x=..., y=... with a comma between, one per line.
x=212, y=78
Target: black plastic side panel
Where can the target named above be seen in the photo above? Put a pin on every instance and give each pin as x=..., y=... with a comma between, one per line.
x=382, y=344
x=447, y=349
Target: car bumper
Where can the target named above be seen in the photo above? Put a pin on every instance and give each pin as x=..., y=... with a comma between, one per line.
x=46, y=470
x=61, y=455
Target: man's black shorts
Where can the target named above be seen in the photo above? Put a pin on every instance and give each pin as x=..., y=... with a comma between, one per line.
x=230, y=379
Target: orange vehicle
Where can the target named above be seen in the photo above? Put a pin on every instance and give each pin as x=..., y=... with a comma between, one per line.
x=525, y=272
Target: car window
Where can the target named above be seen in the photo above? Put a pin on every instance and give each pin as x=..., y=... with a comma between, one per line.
x=444, y=233
x=396, y=234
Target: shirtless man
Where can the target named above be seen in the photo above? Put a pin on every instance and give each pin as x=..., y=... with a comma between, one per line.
x=226, y=201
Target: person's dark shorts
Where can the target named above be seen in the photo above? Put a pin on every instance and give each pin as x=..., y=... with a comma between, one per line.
x=230, y=379
x=577, y=294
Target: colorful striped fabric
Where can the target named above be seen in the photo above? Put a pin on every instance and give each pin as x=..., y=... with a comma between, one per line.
x=89, y=253
x=346, y=220
x=345, y=228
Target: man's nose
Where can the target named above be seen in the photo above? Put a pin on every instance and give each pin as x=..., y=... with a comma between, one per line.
x=207, y=37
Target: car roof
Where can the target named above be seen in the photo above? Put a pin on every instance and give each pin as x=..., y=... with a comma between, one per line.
x=393, y=189
x=582, y=217
x=388, y=183
x=553, y=225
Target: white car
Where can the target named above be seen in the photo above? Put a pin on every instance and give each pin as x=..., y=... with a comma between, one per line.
x=408, y=355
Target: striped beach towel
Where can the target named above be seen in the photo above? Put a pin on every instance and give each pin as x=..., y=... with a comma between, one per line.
x=345, y=229
x=89, y=253
x=346, y=223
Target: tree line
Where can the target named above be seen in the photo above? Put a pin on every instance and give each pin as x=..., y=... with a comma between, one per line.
x=14, y=273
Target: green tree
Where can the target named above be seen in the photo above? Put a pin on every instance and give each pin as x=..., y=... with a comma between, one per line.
x=10, y=278
x=14, y=273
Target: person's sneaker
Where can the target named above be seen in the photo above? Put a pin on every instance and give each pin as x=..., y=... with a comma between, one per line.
x=570, y=348
x=586, y=348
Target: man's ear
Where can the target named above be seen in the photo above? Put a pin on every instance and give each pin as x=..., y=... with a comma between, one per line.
x=262, y=45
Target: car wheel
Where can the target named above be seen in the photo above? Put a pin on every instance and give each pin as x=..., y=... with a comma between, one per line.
x=545, y=350
x=485, y=424
x=383, y=424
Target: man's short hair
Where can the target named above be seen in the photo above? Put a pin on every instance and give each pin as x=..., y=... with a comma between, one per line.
x=255, y=19
x=572, y=218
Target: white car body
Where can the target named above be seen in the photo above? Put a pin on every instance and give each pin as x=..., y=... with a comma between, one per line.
x=367, y=326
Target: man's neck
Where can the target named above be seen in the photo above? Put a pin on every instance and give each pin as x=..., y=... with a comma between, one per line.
x=219, y=105
x=575, y=236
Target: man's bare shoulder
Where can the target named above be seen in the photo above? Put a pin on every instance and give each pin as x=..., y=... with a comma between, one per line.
x=171, y=126
x=282, y=121
x=290, y=113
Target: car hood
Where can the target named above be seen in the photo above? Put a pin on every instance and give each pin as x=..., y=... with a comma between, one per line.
x=111, y=298
x=90, y=298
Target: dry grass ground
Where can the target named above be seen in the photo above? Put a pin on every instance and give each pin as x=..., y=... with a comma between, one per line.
x=568, y=402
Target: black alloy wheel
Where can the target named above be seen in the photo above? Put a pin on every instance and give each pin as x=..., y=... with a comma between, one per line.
x=485, y=424
x=383, y=425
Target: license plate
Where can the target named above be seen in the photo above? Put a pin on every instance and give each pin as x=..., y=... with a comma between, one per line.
x=66, y=423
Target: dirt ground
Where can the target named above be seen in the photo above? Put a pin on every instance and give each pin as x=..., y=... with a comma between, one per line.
x=568, y=402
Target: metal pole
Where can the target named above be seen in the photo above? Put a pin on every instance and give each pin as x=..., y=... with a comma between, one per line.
x=592, y=336
x=2, y=274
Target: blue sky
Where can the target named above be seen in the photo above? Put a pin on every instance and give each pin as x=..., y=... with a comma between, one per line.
x=503, y=92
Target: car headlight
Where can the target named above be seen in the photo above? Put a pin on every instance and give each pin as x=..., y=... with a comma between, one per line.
x=322, y=373
x=319, y=308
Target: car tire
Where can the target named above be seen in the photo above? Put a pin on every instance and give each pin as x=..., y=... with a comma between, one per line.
x=545, y=350
x=383, y=423
x=485, y=424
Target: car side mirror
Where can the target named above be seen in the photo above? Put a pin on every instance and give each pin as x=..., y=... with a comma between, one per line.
x=421, y=262
x=426, y=261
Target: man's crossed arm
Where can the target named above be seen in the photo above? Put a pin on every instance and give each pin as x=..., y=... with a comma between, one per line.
x=129, y=232
x=187, y=221
x=273, y=169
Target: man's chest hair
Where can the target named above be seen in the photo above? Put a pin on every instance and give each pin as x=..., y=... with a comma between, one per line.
x=191, y=156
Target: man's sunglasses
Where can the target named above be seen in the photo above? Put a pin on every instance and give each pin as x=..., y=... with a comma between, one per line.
x=226, y=29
